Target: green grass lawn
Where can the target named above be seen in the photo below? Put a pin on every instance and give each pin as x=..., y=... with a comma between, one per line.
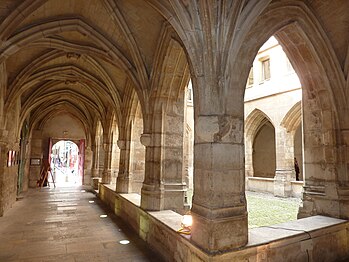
x=266, y=210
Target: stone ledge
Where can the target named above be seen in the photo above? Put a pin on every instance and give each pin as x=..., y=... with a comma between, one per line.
x=324, y=238
x=302, y=228
x=260, y=178
x=297, y=182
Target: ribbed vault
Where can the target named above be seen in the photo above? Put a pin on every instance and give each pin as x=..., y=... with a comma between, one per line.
x=90, y=67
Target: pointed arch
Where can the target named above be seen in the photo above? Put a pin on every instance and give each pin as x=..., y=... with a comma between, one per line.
x=293, y=118
x=254, y=121
x=305, y=43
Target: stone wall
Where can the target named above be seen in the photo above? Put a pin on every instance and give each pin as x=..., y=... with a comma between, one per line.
x=9, y=141
x=8, y=181
x=300, y=240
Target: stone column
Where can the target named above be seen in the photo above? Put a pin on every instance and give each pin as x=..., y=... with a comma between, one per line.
x=164, y=186
x=88, y=166
x=284, y=162
x=95, y=179
x=101, y=158
x=152, y=190
x=248, y=157
x=322, y=171
x=106, y=175
x=343, y=176
x=115, y=160
x=124, y=177
x=172, y=161
x=219, y=203
x=95, y=161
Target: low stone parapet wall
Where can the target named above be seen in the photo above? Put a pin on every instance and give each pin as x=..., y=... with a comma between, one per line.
x=260, y=184
x=266, y=185
x=297, y=188
x=316, y=238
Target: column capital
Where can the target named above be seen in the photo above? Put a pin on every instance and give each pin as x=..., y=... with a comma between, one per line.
x=152, y=197
x=146, y=139
x=107, y=146
x=121, y=144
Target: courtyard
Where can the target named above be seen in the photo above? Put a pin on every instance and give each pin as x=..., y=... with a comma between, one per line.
x=266, y=209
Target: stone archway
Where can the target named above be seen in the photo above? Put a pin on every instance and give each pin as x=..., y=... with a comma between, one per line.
x=313, y=59
x=292, y=122
x=253, y=125
x=264, y=159
x=65, y=163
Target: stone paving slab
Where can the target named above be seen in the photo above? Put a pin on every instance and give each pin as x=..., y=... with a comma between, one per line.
x=61, y=225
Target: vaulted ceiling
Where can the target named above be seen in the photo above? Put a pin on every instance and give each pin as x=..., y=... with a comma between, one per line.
x=82, y=57
x=97, y=59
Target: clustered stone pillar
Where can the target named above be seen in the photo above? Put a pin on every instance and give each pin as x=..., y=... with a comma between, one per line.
x=248, y=157
x=219, y=203
x=344, y=177
x=106, y=176
x=88, y=166
x=284, y=162
x=164, y=186
x=95, y=161
x=115, y=160
x=152, y=189
x=124, y=176
x=95, y=177
x=101, y=155
x=321, y=169
x=172, y=160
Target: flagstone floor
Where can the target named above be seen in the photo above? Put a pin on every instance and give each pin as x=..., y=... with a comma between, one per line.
x=64, y=224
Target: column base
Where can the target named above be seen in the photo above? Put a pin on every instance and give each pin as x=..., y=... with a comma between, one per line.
x=152, y=198
x=123, y=183
x=169, y=196
x=174, y=194
x=95, y=182
x=220, y=234
x=106, y=177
